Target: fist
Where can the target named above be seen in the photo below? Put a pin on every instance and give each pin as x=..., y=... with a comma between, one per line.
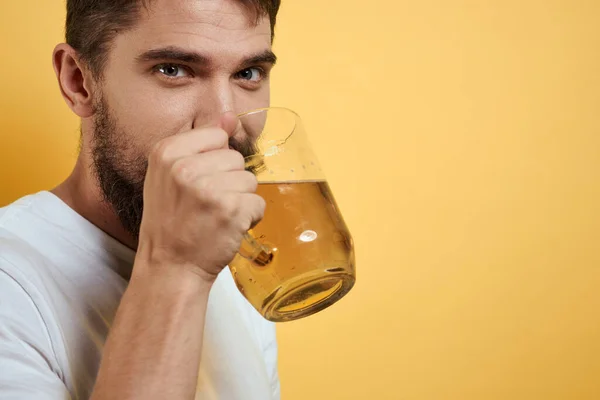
x=198, y=202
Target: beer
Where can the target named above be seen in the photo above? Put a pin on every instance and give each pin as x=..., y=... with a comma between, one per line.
x=313, y=255
x=300, y=258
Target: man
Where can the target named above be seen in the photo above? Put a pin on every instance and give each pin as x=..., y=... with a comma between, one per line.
x=136, y=238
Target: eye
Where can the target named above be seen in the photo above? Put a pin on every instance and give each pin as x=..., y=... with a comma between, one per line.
x=251, y=74
x=172, y=70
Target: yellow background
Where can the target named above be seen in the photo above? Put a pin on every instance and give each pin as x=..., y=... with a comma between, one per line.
x=462, y=141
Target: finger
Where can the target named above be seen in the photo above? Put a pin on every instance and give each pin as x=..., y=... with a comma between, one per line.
x=253, y=209
x=233, y=181
x=198, y=165
x=188, y=143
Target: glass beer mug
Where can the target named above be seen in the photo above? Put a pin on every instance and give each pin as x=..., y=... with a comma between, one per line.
x=299, y=259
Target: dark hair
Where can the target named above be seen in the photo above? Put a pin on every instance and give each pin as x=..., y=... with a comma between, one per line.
x=92, y=24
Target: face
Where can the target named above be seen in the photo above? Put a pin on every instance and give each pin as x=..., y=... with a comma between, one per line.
x=184, y=64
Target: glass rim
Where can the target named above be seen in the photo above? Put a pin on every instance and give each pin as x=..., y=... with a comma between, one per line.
x=293, y=129
x=267, y=109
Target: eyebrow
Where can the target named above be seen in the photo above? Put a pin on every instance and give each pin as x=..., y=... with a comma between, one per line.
x=266, y=57
x=190, y=57
x=172, y=53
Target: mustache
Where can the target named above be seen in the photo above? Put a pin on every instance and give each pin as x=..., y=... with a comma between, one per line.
x=254, y=160
x=247, y=147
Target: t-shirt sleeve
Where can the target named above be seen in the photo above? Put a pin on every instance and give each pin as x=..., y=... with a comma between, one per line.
x=270, y=353
x=28, y=369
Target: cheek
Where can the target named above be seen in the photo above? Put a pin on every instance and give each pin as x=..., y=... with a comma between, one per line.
x=248, y=101
x=147, y=113
x=145, y=117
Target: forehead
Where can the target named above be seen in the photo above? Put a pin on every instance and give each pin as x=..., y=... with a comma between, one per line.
x=210, y=26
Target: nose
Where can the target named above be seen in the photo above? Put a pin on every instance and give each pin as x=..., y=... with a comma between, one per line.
x=231, y=124
x=215, y=106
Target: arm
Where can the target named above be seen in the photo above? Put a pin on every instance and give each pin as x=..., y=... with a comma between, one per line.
x=198, y=203
x=153, y=350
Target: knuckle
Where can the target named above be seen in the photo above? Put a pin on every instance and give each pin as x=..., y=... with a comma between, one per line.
x=261, y=206
x=182, y=171
x=237, y=160
x=213, y=201
x=252, y=181
x=229, y=206
x=160, y=151
x=255, y=211
x=206, y=189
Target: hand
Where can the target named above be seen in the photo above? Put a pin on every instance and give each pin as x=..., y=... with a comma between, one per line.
x=198, y=201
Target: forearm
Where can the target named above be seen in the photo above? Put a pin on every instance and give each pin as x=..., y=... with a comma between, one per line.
x=153, y=349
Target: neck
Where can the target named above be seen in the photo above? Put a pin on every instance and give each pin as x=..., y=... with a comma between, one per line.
x=81, y=192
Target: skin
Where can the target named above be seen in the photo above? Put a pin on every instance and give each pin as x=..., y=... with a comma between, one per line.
x=198, y=200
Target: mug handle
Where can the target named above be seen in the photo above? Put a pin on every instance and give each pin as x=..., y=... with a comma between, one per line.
x=259, y=254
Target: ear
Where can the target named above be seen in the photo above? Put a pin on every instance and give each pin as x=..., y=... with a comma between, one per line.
x=74, y=79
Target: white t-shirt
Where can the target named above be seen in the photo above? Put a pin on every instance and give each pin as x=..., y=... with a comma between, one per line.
x=61, y=281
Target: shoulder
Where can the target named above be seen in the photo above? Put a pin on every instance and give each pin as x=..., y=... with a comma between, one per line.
x=24, y=276
x=14, y=210
x=19, y=225
x=30, y=365
x=23, y=318
x=20, y=259
x=25, y=236
x=22, y=283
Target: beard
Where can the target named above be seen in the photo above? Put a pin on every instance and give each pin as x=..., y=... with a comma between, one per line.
x=121, y=170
